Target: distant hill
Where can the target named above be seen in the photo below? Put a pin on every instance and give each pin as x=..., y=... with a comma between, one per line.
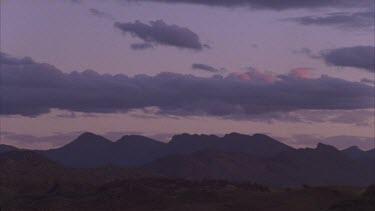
x=371, y=153
x=354, y=152
x=258, y=144
x=234, y=156
x=206, y=164
x=326, y=165
x=6, y=148
x=90, y=150
x=321, y=166
x=23, y=168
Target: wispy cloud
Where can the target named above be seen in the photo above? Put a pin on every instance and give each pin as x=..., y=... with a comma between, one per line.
x=207, y=68
x=101, y=14
x=273, y=4
x=141, y=46
x=343, y=20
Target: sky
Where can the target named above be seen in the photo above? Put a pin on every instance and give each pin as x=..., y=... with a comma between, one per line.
x=300, y=71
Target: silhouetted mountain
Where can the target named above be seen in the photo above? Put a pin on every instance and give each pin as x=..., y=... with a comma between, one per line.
x=6, y=148
x=88, y=141
x=207, y=164
x=234, y=156
x=90, y=150
x=133, y=150
x=324, y=165
x=24, y=168
x=355, y=153
x=258, y=144
x=371, y=153
x=186, y=143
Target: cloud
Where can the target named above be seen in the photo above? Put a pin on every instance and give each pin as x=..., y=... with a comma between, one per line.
x=301, y=72
x=343, y=20
x=100, y=14
x=28, y=141
x=250, y=68
x=354, y=117
x=160, y=33
x=141, y=46
x=207, y=68
x=35, y=89
x=9, y=60
x=254, y=75
x=368, y=81
x=74, y=1
x=274, y=4
x=306, y=51
x=362, y=57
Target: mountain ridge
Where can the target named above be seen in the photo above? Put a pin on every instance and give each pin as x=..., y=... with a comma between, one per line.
x=233, y=156
x=91, y=150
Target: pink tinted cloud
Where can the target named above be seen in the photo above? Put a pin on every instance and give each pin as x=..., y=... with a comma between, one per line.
x=301, y=72
x=254, y=75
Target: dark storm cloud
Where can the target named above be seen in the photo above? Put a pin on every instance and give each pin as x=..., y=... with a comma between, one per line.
x=205, y=67
x=100, y=14
x=345, y=20
x=158, y=32
x=34, y=89
x=6, y=59
x=141, y=46
x=358, y=56
x=274, y=4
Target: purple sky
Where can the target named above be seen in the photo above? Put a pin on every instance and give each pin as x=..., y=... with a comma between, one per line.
x=257, y=48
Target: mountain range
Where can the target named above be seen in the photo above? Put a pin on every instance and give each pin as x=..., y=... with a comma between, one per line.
x=235, y=157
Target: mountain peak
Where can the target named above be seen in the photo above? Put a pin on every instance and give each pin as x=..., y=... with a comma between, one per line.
x=261, y=135
x=136, y=139
x=325, y=147
x=354, y=152
x=186, y=137
x=353, y=149
x=6, y=148
x=255, y=137
x=234, y=134
x=87, y=135
x=89, y=138
x=180, y=137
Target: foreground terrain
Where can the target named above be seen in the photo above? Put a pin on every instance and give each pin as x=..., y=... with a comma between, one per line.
x=192, y=172
x=164, y=194
x=29, y=181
